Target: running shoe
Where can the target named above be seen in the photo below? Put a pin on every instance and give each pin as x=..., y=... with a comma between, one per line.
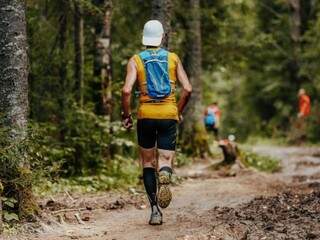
x=156, y=216
x=164, y=193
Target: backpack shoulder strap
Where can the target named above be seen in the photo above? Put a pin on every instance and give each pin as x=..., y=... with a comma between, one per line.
x=144, y=55
x=163, y=53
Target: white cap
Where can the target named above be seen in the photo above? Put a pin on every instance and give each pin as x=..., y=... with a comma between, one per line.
x=152, y=33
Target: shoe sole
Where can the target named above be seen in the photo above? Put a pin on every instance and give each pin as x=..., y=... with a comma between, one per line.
x=155, y=223
x=164, y=193
x=156, y=220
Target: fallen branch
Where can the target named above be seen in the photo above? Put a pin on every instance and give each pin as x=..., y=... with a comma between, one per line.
x=70, y=197
x=77, y=215
x=68, y=210
x=60, y=219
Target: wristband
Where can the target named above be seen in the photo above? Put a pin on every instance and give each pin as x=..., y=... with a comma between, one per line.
x=125, y=117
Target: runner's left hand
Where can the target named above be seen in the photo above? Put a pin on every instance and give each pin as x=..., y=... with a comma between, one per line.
x=127, y=122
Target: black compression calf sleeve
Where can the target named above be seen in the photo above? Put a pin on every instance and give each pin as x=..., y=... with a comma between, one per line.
x=167, y=169
x=150, y=184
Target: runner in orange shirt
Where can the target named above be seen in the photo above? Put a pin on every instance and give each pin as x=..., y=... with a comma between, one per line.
x=304, y=104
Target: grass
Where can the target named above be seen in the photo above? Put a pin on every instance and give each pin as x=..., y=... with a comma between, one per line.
x=121, y=173
x=260, y=162
x=256, y=140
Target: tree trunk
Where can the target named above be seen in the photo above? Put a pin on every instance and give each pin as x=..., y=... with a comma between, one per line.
x=103, y=60
x=63, y=66
x=295, y=20
x=308, y=13
x=13, y=64
x=162, y=11
x=79, y=53
x=14, y=101
x=295, y=33
x=1, y=224
x=194, y=137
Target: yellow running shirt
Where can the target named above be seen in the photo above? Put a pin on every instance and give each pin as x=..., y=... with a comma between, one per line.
x=167, y=108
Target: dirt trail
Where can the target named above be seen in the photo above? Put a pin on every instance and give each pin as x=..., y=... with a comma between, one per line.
x=200, y=206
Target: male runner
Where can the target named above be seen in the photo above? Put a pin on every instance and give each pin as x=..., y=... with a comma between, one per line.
x=156, y=72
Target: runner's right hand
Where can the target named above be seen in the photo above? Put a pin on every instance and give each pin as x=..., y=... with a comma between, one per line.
x=180, y=118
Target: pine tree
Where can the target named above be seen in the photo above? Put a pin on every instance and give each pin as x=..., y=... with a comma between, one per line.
x=79, y=52
x=103, y=57
x=162, y=11
x=193, y=131
x=295, y=32
x=14, y=102
x=62, y=46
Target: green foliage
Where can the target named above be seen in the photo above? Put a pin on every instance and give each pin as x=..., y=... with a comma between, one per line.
x=9, y=217
x=16, y=174
x=313, y=124
x=73, y=141
x=122, y=172
x=83, y=156
x=258, y=140
x=260, y=162
x=8, y=205
x=182, y=159
x=253, y=67
x=87, y=147
x=87, y=139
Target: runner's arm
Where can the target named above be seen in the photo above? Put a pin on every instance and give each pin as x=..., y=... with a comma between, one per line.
x=186, y=87
x=130, y=80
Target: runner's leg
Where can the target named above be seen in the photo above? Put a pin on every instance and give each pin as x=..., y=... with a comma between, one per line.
x=147, y=142
x=166, y=143
x=165, y=160
x=216, y=133
x=148, y=159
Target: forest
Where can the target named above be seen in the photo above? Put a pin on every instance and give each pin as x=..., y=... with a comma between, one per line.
x=63, y=66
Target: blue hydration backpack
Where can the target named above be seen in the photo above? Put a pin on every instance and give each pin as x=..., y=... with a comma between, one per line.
x=156, y=67
x=210, y=118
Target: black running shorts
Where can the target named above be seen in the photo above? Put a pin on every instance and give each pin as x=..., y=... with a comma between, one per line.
x=157, y=132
